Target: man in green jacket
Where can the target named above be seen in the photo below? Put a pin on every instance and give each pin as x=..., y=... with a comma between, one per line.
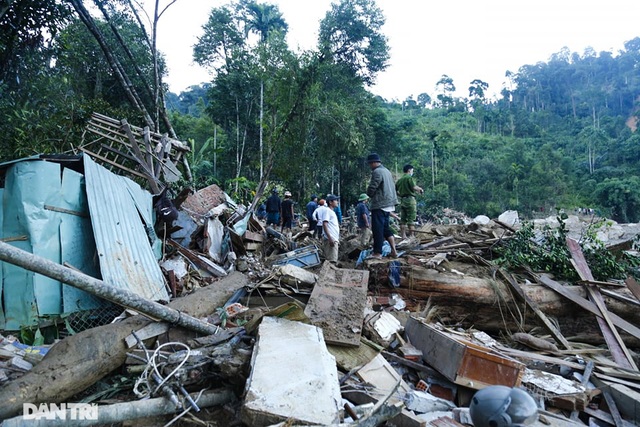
x=407, y=190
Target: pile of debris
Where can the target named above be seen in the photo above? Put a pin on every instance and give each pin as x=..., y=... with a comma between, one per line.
x=248, y=326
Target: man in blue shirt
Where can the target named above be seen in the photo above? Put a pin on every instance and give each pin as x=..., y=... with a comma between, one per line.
x=312, y=206
x=273, y=208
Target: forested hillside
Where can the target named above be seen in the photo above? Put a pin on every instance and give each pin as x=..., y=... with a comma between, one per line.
x=561, y=135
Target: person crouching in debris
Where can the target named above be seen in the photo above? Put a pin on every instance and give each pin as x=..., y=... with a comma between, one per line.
x=286, y=213
x=262, y=212
x=363, y=219
x=273, y=208
x=331, y=229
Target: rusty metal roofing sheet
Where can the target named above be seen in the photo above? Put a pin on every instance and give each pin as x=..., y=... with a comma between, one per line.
x=126, y=257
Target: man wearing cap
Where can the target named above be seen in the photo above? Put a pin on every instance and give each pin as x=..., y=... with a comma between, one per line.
x=363, y=220
x=330, y=228
x=312, y=206
x=273, y=208
x=286, y=213
x=407, y=190
x=382, y=191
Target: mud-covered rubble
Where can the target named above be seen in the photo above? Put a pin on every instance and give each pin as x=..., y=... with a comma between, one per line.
x=402, y=341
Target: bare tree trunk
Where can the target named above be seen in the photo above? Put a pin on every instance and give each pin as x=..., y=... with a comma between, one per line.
x=160, y=107
x=261, y=118
x=119, y=72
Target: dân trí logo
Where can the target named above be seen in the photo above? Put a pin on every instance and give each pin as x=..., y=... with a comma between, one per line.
x=62, y=411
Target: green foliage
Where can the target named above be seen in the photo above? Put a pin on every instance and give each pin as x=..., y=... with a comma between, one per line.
x=546, y=251
x=240, y=189
x=350, y=33
x=556, y=137
x=621, y=196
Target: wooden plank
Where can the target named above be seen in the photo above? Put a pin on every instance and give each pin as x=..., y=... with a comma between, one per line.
x=620, y=297
x=118, y=152
x=600, y=283
x=540, y=358
x=149, y=331
x=619, y=351
x=627, y=401
x=140, y=158
x=611, y=379
x=112, y=163
x=613, y=408
x=555, y=333
x=633, y=286
x=588, y=305
x=67, y=211
x=585, y=380
x=604, y=416
x=147, y=143
x=436, y=243
x=337, y=304
x=616, y=371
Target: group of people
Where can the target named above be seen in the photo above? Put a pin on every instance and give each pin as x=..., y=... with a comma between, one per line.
x=383, y=193
x=278, y=212
x=373, y=211
x=324, y=217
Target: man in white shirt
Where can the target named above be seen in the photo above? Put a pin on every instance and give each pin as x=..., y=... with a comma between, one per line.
x=331, y=229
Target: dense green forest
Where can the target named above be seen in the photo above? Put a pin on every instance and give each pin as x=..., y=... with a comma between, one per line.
x=561, y=135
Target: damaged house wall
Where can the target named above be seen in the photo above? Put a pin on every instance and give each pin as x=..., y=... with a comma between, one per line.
x=91, y=222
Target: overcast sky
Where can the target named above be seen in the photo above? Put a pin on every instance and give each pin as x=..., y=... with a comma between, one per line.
x=465, y=39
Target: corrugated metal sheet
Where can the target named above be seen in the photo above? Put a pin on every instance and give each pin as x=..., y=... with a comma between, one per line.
x=2, y=322
x=126, y=258
x=77, y=246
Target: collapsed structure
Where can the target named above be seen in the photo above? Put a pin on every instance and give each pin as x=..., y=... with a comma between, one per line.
x=269, y=334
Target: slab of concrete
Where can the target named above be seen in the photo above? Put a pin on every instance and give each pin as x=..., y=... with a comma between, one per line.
x=293, y=376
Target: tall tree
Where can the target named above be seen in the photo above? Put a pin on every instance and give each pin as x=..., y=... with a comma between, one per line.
x=351, y=34
x=262, y=19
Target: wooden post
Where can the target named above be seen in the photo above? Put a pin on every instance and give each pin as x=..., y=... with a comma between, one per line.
x=97, y=287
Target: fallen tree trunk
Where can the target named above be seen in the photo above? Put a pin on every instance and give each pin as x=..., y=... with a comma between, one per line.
x=473, y=297
x=119, y=412
x=97, y=287
x=80, y=360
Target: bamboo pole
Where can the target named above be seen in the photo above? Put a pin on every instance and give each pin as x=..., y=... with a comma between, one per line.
x=99, y=288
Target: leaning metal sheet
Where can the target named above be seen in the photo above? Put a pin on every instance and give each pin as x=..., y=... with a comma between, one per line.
x=78, y=245
x=126, y=258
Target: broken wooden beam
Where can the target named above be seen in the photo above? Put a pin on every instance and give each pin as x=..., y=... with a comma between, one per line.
x=555, y=333
x=588, y=305
x=619, y=351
